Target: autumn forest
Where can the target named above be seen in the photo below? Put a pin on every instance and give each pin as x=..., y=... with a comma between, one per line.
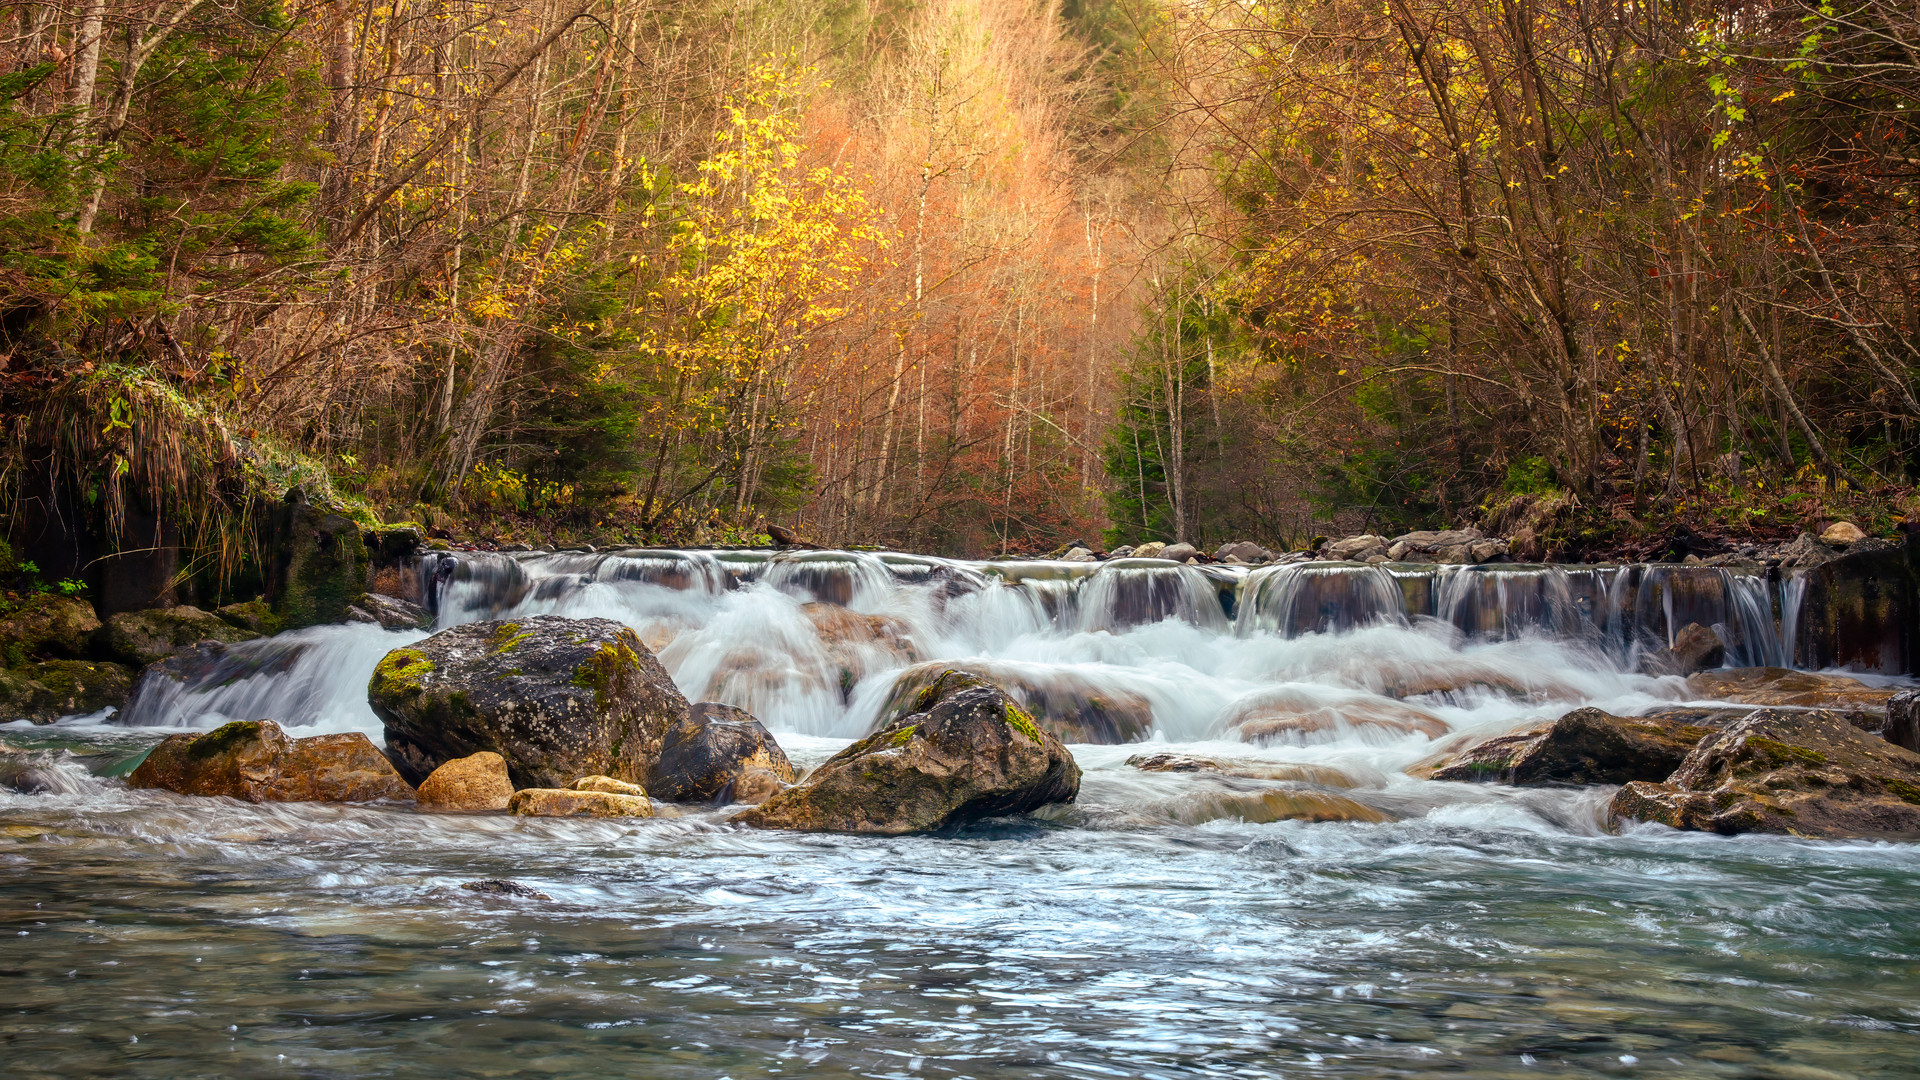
x=962, y=276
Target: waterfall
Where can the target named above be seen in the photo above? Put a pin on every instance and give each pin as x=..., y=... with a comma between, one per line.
x=829, y=643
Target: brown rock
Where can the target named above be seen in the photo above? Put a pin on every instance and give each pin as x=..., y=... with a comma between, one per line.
x=1586, y=746
x=1807, y=774
x=1780, y=686
x=1694, y=648
x=475, y=782
x=256, y=761
x=555, y=802
x=607, y=784
x=1842, y=533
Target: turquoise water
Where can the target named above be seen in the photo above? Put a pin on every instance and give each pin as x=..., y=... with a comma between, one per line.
x=1487, y=933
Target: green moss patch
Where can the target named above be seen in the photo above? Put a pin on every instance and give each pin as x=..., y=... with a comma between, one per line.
x=1907, y=792
x=1018, y=720
x=505, y=637
x=399, y=673
x=599, y=671
x=1778, y=754
x=223, y=739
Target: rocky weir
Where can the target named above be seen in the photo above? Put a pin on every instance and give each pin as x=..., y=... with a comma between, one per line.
x=1430, y=656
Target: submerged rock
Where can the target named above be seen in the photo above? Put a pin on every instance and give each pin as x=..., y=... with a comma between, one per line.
x=966, y=751
x=256, y=761
x=1292, y=715
x=204, y=665
x=705, y=756
x=557, y=698
x=504, y=887
x=1806, y=774
x=390, y=612
x=46, y=690
x=1586, y=746
x=1242, y=768
x=153, y=635
x=1694, y=648
x=560, y=802
x=475, y=782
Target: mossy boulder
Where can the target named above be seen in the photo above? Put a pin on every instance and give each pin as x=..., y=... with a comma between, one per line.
x=557, y=698
x=153, y=635
x=46, y=690
x=257, y=761
x=46, y=625
x=1586, y=746
x=1803, y=773
x=319, y=563
x=252, y=615
x=706, y=755
x=965, y=751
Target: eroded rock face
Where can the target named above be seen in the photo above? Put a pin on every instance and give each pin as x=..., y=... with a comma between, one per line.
x=966, y=751
x=560, y=802
x=557, y=698
x=475, y=782
x=1586, y=746
x=705, y=755
x=1803, y=773
x=256, y=761
x=153, y=635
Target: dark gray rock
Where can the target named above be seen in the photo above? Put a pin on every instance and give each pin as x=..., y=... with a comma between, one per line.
x=966, y=751
x=558, y=698
x=1903, y=720
x=390, y=612
x=1586, y=746
x=705, y=755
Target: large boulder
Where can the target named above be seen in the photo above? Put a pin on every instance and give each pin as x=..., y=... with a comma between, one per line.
x=46, y=690
x=46, y=625
x=476, y=782
x=558, y=698
x=966, y=751
x=318, y=566
x=1586, y=746
x=256, y=761
x=150, y=636
x=706, y=756
x=1803, y=773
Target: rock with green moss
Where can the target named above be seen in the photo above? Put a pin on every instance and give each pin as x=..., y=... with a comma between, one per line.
x=43, y=691
x=964, y=751
x=1801, y=773
x=252, y=615
x=44, y=624
x=707, y=755
x=257, y=761
x=558, y=698
x=153, y=635
x=318, y=566
x=1586, y=746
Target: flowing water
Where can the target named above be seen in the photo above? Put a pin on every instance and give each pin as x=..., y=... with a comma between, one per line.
x=1323, y=915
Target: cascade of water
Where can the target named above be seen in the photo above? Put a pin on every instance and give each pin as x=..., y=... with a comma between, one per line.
x=1793, y=592
x=1311, y=598
x=1497, y=602
x=1133, y=592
